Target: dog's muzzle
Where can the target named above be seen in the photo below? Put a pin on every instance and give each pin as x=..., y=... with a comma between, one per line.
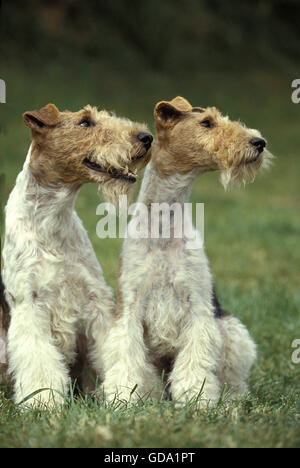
x=259, y=144
x=146, y=139
x=113, y=173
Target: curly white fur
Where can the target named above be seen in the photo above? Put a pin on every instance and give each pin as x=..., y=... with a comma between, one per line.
x=55, y=289
x=166, y=309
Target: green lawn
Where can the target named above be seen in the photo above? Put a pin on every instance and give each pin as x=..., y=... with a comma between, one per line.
x=252, y=239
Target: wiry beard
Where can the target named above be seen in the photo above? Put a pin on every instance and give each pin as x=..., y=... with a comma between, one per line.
x=246, y=171
x=112, y=189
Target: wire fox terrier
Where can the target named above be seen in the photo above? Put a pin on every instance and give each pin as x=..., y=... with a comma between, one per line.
x=169, y=317
x=55, y=288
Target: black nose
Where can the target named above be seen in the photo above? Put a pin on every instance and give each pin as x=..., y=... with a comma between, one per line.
x=146, y=138
x=259, y=143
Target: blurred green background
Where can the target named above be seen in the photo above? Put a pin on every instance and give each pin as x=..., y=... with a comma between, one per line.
x=240, y=56
x=126, y=55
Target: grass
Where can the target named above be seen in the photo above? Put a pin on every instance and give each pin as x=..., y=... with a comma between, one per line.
x=252, y=240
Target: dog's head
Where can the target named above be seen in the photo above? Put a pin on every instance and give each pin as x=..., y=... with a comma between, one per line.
x=195, y=137
x=73, y=148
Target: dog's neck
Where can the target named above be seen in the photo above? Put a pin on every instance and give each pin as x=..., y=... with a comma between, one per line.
x=48, y=210
x=172, y=190
x=175, y=188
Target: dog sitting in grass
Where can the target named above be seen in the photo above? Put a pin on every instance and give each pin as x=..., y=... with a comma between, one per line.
x=58, y=298
x=169, y=318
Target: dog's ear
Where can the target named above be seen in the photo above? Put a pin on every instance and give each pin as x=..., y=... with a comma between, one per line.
x=165, y=113
x=41, y=120
x=198, y=109
x=168, y=112
x=181, y=104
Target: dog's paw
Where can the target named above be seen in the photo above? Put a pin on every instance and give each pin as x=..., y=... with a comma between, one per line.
x=116, y=393
x=43, y=400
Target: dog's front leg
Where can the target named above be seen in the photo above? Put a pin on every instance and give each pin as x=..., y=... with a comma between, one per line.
x=97, y=328
x=194, y=375
x=129, y=375
x=34, y=361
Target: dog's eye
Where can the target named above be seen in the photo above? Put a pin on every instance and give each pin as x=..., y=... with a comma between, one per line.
x=206, y=123
x=85, y=123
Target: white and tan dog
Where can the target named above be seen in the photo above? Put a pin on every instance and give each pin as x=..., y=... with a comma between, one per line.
x=53, y=282
x=169, y=316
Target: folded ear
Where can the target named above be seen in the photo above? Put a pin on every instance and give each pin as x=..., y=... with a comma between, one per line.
x=168, y=112
x=198, y=109
x=181, y=104
x=41, y=120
